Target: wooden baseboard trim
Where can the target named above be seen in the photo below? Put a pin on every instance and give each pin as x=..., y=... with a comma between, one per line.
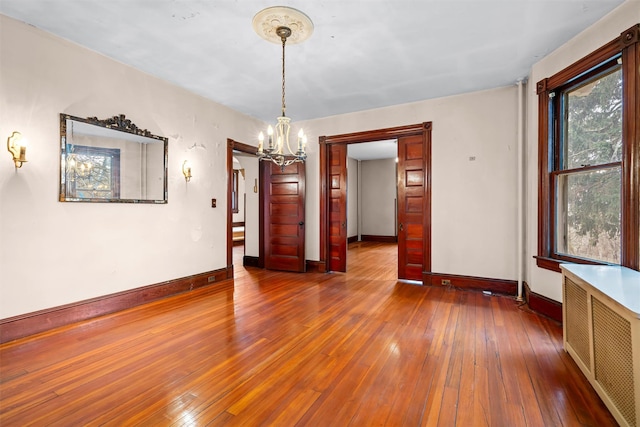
x=543, y=305
x=498, y=286
x=383, y=239
x=24, y=325
x=427, y=280
x=352, y=239
x=250, y=261
x=316, y=267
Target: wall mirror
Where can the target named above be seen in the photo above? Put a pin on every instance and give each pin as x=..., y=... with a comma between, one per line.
x=111, y=160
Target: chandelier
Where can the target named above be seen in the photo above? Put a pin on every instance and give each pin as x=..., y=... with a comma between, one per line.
x=78, y=166
x=279, y=24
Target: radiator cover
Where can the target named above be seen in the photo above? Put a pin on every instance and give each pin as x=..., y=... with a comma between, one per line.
x=601, y=329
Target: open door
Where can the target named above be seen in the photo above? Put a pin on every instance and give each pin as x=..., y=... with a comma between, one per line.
x=282, y=215
x=337, y=256
x=411, y=207
x=414, y=198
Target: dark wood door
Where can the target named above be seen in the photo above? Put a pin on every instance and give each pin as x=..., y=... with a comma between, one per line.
x=282, y=213
x=411, y=207
x=337, y=164
x=416, y=174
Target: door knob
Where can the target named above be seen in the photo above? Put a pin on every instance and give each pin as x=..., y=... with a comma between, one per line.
x=301, y=223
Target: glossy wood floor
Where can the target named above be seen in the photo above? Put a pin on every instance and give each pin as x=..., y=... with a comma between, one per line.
x=314, y=349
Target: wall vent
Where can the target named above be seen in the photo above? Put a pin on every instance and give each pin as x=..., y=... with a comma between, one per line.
x=613, y=358
x=577, y=323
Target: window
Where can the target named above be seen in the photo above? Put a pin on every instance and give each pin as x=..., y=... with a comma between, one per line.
x=93, y=172
x=587, y=178
x=589, y=159
x=234, y=192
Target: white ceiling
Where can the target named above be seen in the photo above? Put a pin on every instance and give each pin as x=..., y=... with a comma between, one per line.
x=363, y=54
x=377, y=150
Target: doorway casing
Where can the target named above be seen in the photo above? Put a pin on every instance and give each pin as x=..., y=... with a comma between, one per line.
x=326, y=143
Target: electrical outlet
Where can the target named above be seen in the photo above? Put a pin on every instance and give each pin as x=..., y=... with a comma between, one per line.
x=211, y=279
x=213, y=203
x=446, y=282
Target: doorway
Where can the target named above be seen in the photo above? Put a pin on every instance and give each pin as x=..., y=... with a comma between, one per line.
x=275, y=222
x=414, y=198
x=372, y=192
x=235, y=205
x=372, y=188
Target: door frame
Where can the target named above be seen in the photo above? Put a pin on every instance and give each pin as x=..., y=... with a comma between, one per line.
x=244, y=148
x=423, y=129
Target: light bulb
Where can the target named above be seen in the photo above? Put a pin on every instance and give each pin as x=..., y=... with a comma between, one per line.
x=270, y=133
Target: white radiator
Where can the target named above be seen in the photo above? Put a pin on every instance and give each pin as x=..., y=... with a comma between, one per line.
x=601, y=326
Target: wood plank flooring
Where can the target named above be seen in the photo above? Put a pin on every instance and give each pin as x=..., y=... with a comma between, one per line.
x=314, y=349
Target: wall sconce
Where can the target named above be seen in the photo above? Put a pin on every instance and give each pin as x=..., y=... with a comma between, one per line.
x=186, y=170
x=17, y=146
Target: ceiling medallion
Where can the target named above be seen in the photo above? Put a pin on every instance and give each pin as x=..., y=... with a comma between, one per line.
x=267, y=21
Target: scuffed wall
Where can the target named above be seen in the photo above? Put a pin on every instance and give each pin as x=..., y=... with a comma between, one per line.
x=54, y=253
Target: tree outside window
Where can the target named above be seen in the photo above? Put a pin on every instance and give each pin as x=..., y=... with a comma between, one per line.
x=588, y=178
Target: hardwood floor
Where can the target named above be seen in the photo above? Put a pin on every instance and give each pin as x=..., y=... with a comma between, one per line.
x=313, y=349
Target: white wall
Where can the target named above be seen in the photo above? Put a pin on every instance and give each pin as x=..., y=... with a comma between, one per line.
x=542, y=281
x=54, y=253
x=352, y=197
x=378, y=197
x=473, y=202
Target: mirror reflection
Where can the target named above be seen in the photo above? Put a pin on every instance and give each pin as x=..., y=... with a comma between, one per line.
x=111, y=160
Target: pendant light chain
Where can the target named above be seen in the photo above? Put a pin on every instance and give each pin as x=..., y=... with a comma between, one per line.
x=284, y=40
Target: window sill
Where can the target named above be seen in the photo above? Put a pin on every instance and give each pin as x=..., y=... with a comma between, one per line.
x=549, y=263
x=553, y=264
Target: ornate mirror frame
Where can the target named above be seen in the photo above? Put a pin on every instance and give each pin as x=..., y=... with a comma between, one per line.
x=111, y=160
